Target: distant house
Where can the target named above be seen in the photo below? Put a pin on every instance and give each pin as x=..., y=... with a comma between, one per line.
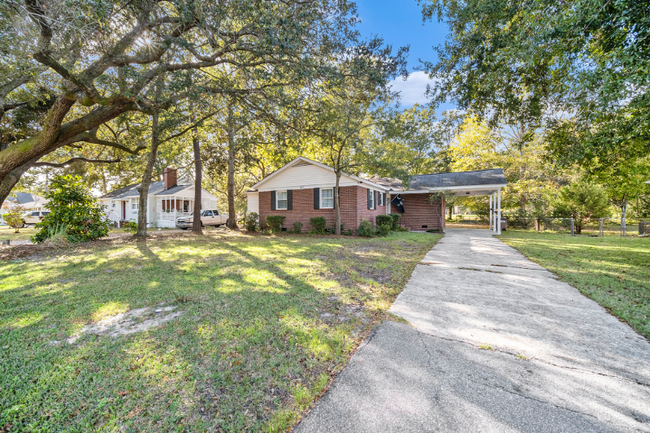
x=27, y=201
x=304, y=188
x=168, y=199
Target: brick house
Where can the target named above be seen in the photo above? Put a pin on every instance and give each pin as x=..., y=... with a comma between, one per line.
x=304, y=188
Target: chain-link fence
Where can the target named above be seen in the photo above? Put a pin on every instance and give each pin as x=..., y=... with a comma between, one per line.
x=468, y=221
x=593, y=227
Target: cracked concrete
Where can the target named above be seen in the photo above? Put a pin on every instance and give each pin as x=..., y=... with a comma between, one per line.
x=560, y=361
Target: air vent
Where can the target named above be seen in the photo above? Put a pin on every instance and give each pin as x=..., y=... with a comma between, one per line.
x=425, y=227
x=301, y=164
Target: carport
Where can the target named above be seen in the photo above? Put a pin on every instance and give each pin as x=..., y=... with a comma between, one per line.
x=462, y=184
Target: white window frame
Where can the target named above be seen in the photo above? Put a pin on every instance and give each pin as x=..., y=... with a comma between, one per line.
x=321, y=198
x=380, y=199
x=277, y=200
x=135, y=203
x=373, y=205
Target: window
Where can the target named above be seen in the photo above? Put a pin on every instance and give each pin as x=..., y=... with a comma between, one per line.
x=113, y=204
x=327, y=198
x=381, y=199
x=135, y=203
x=371, y=199
x=215, y=212
x=281, y=201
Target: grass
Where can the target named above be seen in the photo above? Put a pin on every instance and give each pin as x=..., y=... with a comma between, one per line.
x=7, y=233
x=613, y=271
x=266, y=322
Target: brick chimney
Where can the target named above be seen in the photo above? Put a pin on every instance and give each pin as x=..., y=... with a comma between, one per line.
x=169, y=176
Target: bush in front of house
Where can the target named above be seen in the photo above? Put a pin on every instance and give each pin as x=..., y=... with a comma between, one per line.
x=385, y=220
x=396, y=219
x=275, y=222
x=73, y=207
x=365, y=229
x=297, y=227
x=317, y=225
x=383, y=229
x=251, y=221
x=130, y=227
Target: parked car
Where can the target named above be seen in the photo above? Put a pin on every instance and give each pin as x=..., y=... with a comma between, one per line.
x=208, y=218
x=33, y=217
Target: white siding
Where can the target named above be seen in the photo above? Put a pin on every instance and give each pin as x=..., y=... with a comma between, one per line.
x=253, y=202
x=305, y=176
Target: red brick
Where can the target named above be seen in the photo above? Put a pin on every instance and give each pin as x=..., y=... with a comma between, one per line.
x=421, y=210
x=354, y=206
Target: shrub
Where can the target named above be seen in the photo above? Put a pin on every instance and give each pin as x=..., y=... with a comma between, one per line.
x=251, y=220
x=401, y=229
x=385, y=220
x=130, y=227
x=396, y=219
x=383, y=229
x=14, y=218
x=317, y=225
x=347, y=232
x=297, y=227
x=73, y=207
x=365, y=229
x=581, y=201
x=275, y=222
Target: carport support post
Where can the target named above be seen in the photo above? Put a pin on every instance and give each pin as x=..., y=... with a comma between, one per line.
x=499, y=212
x=490, y=212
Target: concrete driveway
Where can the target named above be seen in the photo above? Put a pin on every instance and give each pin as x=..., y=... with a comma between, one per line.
x=495, y=343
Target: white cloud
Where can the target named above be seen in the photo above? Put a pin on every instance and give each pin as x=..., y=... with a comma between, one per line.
x=412, y=90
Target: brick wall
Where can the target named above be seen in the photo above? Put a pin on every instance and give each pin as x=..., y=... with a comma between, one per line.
x=420, y=211
x=354, y=205
x=362, y=208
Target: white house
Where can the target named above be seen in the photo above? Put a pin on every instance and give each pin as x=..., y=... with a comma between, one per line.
x=168, y=199
x=27, y=201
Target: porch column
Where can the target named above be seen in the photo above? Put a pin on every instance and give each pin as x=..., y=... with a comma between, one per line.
x=490, y=212
x=494, y=212
x=499, y=212
x=387, y=203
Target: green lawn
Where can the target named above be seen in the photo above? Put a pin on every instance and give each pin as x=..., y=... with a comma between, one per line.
x=265, y=322
x=613, y=271
x=7, y=233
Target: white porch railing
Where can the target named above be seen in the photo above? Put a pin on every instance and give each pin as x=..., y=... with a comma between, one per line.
x=171, y=216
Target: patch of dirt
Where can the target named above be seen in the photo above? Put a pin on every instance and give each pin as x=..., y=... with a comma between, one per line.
x=138, y=320
x=379, y=276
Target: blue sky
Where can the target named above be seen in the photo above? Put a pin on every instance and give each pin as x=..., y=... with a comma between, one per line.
x=399, y=22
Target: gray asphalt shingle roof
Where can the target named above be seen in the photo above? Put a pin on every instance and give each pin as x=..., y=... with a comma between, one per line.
x=25, y=197
x=173, y=189
x=132, y=190
x=493, y=176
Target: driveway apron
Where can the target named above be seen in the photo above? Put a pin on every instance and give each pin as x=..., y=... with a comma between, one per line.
x=494, y=342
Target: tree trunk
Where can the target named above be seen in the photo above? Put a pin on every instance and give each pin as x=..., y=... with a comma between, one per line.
x=451, y=212
x=232, y=212
x=337, y=204
x=146, y=179
x=623, y=214
x=196, y=224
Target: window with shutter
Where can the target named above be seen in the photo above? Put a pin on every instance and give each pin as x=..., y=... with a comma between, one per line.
x=282, y=201
x=327, y=198
x=371, y=199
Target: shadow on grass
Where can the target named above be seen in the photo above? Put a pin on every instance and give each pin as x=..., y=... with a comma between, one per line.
x=261, y=326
